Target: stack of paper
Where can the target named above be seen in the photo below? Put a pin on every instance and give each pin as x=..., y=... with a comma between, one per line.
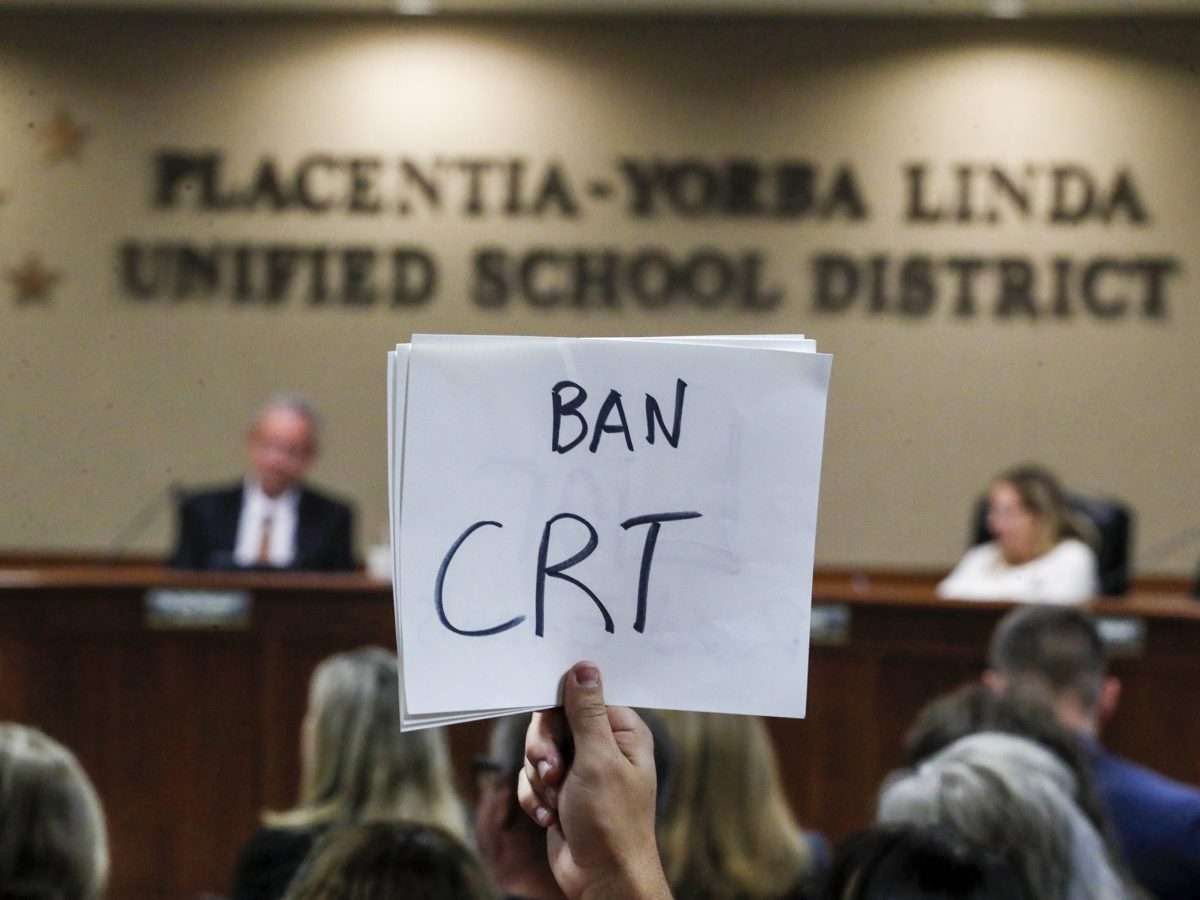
x=648, y=504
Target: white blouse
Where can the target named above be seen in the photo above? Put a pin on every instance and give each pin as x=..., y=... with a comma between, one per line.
x=1066, y=575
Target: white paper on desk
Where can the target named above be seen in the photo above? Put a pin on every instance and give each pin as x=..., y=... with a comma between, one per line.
x=726, y=622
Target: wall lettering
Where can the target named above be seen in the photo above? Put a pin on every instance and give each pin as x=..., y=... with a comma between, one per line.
x=969, y=197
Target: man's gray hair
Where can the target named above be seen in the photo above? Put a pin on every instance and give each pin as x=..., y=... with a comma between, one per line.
x=1016, y=798
x=293, y=402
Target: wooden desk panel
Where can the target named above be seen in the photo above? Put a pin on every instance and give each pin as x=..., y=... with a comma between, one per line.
x=189, y=734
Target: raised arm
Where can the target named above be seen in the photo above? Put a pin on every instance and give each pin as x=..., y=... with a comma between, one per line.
x=589, y=779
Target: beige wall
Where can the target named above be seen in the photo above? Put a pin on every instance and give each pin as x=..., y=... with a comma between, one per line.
x=104, y=400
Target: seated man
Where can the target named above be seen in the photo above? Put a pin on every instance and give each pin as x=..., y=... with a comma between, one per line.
x=270, y=520
x=1058, y=654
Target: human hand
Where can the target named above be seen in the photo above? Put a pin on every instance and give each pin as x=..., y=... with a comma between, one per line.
x=598, y=806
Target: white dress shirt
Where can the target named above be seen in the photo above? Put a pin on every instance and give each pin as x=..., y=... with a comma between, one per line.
x=257, y=507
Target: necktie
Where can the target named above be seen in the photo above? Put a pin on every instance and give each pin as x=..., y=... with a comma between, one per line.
x=264, y=543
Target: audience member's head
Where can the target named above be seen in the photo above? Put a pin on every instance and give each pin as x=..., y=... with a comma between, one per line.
x=281, y=445
x=727, y=830
x=975, y=708
x=1016, y=798
x=356, y=763
x=1027, y=513
x=912, y=862
x=1057, y=654
x=387, y=860
x=511, y=843
x=53, y=844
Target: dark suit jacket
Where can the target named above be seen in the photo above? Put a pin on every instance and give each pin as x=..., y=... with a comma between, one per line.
x=1157, y=822
x=208, y=523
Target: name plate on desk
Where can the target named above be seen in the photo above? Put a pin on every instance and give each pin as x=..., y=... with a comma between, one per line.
x=192, y=608
x=1122, y=635
x=830, y=623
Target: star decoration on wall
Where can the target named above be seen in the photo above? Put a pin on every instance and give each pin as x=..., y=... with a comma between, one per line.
x=61, y=138
x=32, y=281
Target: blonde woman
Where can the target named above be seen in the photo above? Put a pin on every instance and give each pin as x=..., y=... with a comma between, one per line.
x=1036, y=554
x=52, y=837
x=727, y=831
x=356, y=766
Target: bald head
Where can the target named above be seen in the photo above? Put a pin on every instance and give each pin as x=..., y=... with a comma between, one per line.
x=282, y=445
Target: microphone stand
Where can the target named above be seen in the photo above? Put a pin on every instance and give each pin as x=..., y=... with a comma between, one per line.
x=144, y=518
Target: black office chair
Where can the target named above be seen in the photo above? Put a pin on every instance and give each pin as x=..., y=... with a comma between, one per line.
x=1106, y=525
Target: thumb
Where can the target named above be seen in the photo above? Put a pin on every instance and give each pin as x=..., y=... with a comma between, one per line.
x=583, y=703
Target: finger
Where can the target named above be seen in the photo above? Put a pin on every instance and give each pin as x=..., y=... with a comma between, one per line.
x=544, y=744
x=632, y=734
x=586, y=714
x=547, y=795
x=532, y=804
x=544, y=762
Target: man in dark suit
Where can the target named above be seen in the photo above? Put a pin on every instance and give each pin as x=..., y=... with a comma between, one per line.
x=1057, y=654
x=271, y=520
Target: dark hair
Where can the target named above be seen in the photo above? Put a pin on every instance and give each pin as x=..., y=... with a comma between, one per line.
x=915, y=862
x=382, y=860
x=1060, y=648
x=973, y=708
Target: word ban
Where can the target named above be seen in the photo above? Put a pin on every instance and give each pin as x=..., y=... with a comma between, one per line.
x=611, y=407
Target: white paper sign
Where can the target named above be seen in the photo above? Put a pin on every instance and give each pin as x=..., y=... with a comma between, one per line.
x=649, y=505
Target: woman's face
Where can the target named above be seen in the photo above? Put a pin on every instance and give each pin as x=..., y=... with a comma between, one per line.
x=1016, y=528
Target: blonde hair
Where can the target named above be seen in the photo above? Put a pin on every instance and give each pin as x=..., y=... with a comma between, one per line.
x=53, y=841
x=357, y=766
x=1041, y=494
x=381, y=860
x=727, y=830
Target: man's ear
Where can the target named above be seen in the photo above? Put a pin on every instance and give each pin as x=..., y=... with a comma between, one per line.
x=1110, y=698
x=995, y=682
